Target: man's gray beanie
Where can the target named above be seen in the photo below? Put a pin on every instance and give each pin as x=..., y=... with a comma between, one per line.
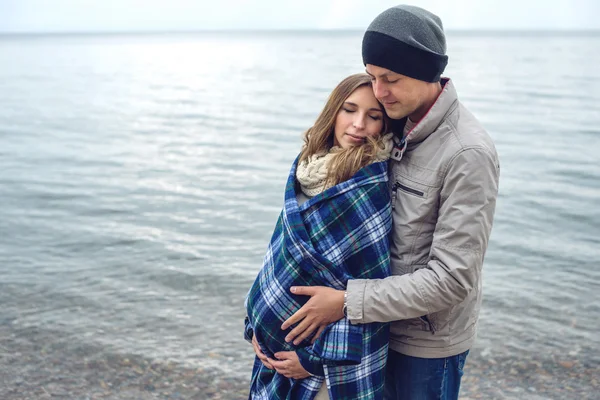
x=407, y=40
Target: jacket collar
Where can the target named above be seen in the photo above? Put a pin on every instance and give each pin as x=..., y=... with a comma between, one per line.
x=445, y=103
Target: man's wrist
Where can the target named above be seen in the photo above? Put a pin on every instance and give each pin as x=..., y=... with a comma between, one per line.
x=345, y=306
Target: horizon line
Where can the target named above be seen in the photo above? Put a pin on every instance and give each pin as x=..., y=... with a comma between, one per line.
x=510, y=31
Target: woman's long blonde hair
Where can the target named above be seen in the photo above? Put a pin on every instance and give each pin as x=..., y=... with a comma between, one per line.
x=318, y=139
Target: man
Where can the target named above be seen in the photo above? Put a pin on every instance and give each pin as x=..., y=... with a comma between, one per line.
x=444, y=176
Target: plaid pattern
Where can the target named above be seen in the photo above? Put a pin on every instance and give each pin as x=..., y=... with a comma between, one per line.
x=340, y=234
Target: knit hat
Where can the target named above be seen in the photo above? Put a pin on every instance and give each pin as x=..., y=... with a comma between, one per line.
x=407, y=40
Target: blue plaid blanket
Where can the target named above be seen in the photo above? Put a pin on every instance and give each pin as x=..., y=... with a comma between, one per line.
x=340, y=234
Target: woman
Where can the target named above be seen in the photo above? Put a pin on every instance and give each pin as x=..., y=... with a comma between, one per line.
x=334, y=227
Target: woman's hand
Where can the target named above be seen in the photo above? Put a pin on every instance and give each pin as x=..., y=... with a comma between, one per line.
x=288, y=365
x=323, y=308
x=264, y=359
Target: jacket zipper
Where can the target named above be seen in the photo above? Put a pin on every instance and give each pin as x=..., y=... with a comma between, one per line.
x=394, y=188
x=397, y=186
x=409, y=190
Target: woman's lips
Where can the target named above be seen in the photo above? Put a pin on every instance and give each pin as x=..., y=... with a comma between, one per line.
x=356, y=138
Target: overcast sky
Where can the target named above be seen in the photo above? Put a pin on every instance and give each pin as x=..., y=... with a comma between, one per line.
x=176, y=15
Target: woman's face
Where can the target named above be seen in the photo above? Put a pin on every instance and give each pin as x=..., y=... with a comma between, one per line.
x=360, y=116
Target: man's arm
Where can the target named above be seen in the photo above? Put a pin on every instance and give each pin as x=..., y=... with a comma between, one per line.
x=467, y=204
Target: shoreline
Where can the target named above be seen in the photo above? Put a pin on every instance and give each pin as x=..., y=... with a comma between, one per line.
x=41, y=364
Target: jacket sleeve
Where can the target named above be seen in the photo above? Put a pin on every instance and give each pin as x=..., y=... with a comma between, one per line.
x=467, y=204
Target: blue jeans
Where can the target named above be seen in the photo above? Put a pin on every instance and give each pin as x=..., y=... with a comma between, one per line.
x=412, y=378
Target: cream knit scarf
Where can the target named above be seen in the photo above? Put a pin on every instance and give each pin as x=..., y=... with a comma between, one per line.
x=312, y=173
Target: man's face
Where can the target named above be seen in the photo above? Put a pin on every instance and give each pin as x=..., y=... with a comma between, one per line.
x=400, y=95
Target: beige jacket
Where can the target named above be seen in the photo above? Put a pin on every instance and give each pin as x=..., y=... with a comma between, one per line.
x=444, y=193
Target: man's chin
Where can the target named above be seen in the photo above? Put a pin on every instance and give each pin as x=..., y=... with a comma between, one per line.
x=395, y=114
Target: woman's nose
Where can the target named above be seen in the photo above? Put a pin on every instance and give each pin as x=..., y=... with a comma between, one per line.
x=359, y=122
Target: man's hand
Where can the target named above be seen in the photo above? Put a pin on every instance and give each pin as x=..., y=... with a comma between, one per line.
x=288, y=365
x=323, y=308
x=261, y=356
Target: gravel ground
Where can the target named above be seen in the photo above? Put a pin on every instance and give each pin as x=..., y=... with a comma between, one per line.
x=40, y=364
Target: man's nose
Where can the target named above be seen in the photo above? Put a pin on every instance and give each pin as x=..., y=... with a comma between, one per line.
x=379, y=89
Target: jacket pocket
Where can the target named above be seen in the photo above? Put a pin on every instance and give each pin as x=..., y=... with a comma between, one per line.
x=399, y=186
x=428, y=324
x=416, y=328
x=409, y=190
